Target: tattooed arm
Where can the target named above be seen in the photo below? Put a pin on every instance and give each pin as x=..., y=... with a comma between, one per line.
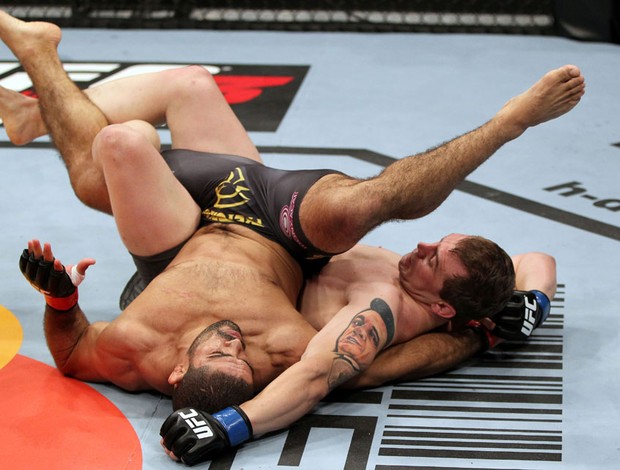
x=346, y=346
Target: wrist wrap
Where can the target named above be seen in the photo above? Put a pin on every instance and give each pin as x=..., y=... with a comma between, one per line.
x=236, y=423
x=62, y=304
x=544, y=304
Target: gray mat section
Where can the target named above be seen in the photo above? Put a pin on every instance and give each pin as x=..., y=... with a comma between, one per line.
x=393, y=94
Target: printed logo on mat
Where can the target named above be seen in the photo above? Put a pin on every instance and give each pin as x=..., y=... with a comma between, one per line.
x=260, y=95
x=576, y=188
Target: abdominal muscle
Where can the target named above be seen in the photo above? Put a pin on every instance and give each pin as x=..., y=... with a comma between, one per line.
x=228, y=274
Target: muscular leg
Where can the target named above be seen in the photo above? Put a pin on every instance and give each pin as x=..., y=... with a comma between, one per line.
x=338, y=211
x=152, y=210
x=103, y=159
x=71, y=118
x=187, y=99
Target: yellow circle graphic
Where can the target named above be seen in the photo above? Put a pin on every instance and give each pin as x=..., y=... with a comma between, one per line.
x=11, y=336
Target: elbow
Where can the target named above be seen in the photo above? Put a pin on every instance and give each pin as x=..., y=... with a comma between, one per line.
x=546, y=260
x=315, y=380
x=547, y=265
x=318, y=384
x=64, y=369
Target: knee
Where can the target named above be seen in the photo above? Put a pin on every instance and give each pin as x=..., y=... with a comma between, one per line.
x=147, y=130
x=337, y=212
x=114, y=143
x=194, y=80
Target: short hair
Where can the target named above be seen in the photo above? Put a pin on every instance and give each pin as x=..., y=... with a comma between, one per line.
x=489, y=284
x=205, y=387
x=210, y=390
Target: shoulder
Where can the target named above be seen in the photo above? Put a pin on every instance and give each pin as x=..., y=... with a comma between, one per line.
x=361, y=251
x=126, y=337
x=364, y=263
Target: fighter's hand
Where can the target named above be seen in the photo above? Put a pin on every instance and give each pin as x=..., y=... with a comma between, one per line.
x=48, y=275
x=484, y=328
x=193, y=436
x=525, y=312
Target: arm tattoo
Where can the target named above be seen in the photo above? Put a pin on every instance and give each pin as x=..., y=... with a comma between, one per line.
x=367, y=334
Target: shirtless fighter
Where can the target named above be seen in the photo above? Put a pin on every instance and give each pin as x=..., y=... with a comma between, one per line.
x=96, y=352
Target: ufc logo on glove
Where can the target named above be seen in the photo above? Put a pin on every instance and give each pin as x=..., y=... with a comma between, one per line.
x=530, y=316
x=200, y=427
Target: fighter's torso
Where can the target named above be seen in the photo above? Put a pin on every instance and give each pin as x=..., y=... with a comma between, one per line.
x=225, y=273
x=357, y=277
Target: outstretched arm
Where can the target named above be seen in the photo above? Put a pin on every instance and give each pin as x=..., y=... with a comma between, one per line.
x=436, y=352
x=342, y=349
x=71, y=338
x=346, y=346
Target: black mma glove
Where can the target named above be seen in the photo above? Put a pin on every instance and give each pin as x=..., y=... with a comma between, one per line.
x=195, y=436
x=59, y=287
x=524, y=312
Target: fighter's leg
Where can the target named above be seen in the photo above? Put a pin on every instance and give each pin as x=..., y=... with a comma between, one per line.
x=21, y=117
x=152, y=210
x=24, y=123
x=72, y=120
x=338, y=211
x=187, y=99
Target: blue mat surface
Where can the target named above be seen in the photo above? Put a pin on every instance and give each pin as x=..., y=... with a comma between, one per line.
x=366, y=99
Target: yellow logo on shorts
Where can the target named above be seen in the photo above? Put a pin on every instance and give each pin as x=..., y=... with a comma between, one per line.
x=231, y=192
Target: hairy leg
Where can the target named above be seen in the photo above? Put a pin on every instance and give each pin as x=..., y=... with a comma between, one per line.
x=338, y=211
x=187, y=99
x=72, y=120
x=128, y=169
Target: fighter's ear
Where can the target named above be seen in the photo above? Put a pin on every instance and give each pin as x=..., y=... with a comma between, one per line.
x=177, y=375
x=443, y=310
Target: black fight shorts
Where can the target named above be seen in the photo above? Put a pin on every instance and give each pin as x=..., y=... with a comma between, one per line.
x=237, y=190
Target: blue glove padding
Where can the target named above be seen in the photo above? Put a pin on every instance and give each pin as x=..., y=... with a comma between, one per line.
x=195, y=436
x=525, y=312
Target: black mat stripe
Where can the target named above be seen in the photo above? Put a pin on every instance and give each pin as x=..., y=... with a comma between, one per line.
x=456, y=415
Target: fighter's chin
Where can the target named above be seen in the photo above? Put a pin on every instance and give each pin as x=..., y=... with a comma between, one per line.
x=350, y=349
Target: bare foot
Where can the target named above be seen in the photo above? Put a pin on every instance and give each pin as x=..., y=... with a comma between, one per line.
x=25, y=38
x=555, y=94
x=21, y=117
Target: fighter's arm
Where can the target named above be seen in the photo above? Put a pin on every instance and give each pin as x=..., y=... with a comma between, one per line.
x=536, y=270
x=93, y=352
x=422, y=356
x=339, y=351
x=72, y=340
x=346, y=346
x=75, y=344
x=436, y=352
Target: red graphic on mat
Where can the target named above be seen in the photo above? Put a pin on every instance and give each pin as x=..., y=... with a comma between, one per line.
x=53, y=422
x=259, y=94
x=238, y=89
